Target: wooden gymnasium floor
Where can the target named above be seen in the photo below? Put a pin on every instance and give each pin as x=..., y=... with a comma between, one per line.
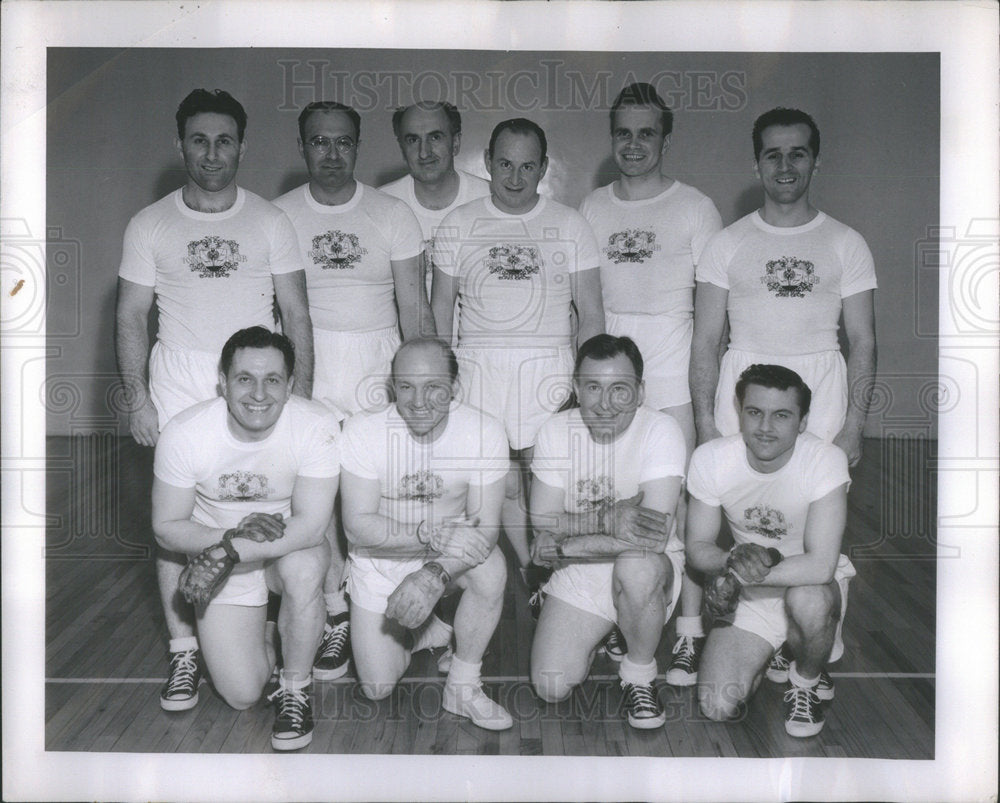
x=106, y=648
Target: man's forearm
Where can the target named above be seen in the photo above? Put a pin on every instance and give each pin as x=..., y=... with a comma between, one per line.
x=569, y=525
x=378, y=536
x=861, y=364
x=706, y=557
x=704, y=379
x=299, y=330
x=801, y=570
x=132, y=353
x=190, y=538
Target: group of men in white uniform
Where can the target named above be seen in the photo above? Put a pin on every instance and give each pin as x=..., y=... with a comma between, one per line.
x=437, y=450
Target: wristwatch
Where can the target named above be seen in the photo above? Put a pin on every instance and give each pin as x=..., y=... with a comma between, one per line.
x=438, y=571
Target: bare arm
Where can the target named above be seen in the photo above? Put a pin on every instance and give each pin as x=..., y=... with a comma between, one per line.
x=312, y=507
x=444, y=292
x=701, y=535
x=293, y=306
x=415, y=319
x=132, y=351
x=706, y=346
x=586, y=288
x=368, y=531
x=859, y=324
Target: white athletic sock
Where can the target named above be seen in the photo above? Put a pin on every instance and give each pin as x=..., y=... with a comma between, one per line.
x=690, y=626
x=431, y=634
x=639, y=674
x=464, y=672
x=336, y=602
x=292, y=685
x=183, y=644
x=797, y=680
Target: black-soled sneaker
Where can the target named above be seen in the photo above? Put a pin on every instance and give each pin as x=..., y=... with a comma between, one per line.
x=334, y=649
x=777, y=668
x=824, y=687
x=614, y=645
x=803, y=712
x=643, y=706
x=180, y=692
x=293, y=723
x=683, y=670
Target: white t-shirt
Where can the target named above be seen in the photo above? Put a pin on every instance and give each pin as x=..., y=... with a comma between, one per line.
x=233, y=478
x=649, y=248
x=211, y=270
x=348, y=250
x=425, y=481
x=766, y=509
x=592, y=475
x=470, y=187
x=786, y=284
x=514, y=271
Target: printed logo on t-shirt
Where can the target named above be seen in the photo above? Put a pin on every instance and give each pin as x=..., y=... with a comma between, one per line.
x=595, y=492
x=214, y=258
x=512, y=261
x=631, y=245
x=243, y=486
x=789, y=277
x=336, y=250
x=765, y=521
x=421, y=486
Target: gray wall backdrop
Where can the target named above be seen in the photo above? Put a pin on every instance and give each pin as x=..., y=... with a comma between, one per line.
x=110, y=152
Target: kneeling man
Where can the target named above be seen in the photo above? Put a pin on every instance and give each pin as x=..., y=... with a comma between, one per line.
x=422, y=488
x=784, y=494
x=244, y=485
x=607, y=477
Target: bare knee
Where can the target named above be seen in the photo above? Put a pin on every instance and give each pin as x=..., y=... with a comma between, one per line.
x=811, y=605
x=303, y=572
x=512, y=484
x=551, y=685
x=489, y=578
x=717, y=706
x=377, y=690
x=240, y=695
x=641, y=577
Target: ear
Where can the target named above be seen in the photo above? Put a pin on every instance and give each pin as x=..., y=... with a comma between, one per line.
x=243, y=147
x=487, y=161
x=302, y=148
x=666, y=144
x=642, y=392
x=456, y=143
x=179, y=145
x=543, y=167
x=756, y=169
x=291, y=384
x=816, y=166
x=222, y=384
x=803, y=423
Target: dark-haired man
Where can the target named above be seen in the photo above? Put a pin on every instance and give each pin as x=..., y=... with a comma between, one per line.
x=216, y=258
x=651, y=230
x=785, y=274
x=780, y=488
x=244, y=485
x=362, y=253
x=515, y=263
x=423, y=482
x=607, y=477
x=430, y=136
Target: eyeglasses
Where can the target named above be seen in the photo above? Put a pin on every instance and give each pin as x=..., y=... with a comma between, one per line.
x=325, y=144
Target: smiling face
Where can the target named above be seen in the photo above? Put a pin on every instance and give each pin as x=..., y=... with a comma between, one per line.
x=786, y=163
x=211, y=150
x=424, y=389
x=516, y=168
x=256, y=390
x=609, y=394
x=428, y=145
x=770, y=422
x=330, y=149
x=638, y=141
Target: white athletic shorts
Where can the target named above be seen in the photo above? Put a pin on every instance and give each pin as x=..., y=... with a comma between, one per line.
x=587, y=585
x=761, y=610
x=665, y=344
x=246, y=586
x=825, y=373
x=352, y=369
x=521, y=387
x=371, y=581
x=180, y=379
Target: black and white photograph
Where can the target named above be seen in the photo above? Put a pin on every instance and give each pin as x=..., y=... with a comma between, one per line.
x=500, y=401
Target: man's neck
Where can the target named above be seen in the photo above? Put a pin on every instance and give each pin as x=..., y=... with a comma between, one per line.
x=437, y=195
x=786, y=216
x=641, y=188
x=333, y=196
x=203, y=201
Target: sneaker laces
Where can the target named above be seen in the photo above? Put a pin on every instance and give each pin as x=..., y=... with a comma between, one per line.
x=334, y=641
x=684, y=653
x=183, y=671
x=802, y=701
x=779, y=660
x=641, y=697
x=292, y=705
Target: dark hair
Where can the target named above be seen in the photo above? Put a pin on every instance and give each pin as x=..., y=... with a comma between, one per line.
x=446, y=351
x=606, y=347
x=783, y=116
x=218, y=101
x=642, y=94
x=777, y=377
x=451, y=112
x=257, y=337
x=329, y=106
x=519, y=125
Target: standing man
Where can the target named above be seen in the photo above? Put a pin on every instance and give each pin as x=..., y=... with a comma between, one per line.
x=362, y=254
x=516, y=262
x=215, y=257
x=423, y=482
x=244, y=486
x=785, y=274
x=430, y=136
x=784, y=493
x=607, y=477
x=651, y=230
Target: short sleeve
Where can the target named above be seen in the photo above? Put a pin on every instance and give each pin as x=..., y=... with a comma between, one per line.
x=700, y=478
x=495, y=464
x=859, y=266
x=447, y=242
x=172, y=460
x=285, y=256
x=826, y=471
x=407, y=237
x=356, y=455
x=587, y=254
x=663, y=452
x=550, y=462
x=138, y=264
x=321, y=450
x=707, y=225
x=713, y=264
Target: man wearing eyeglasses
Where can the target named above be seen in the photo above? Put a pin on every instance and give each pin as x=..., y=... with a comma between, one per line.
x=362, y=252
